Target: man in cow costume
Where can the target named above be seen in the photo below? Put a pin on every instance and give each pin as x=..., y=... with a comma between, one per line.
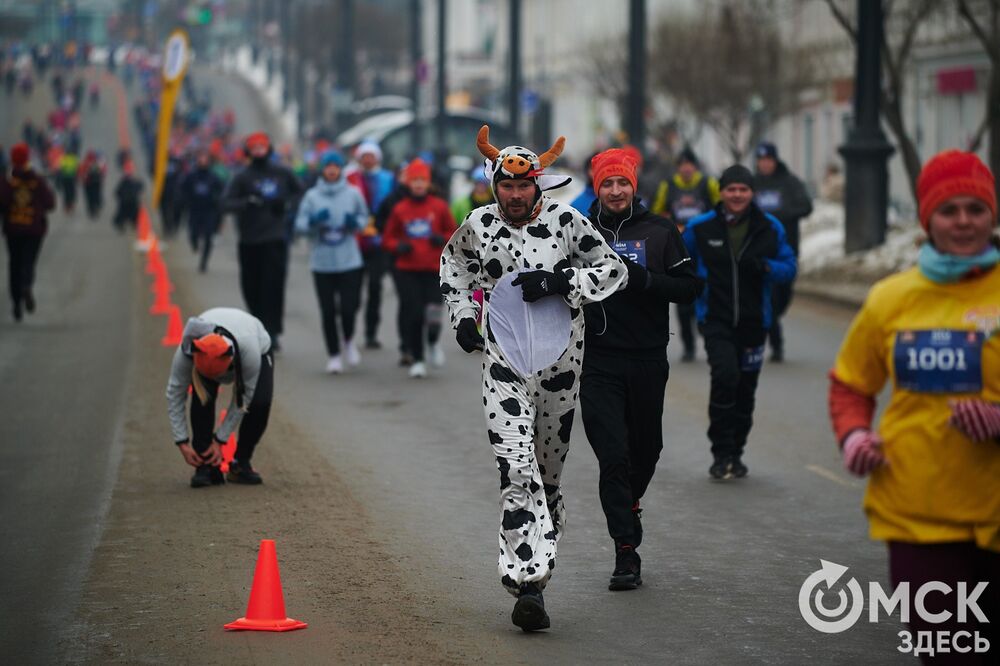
x=538, y=261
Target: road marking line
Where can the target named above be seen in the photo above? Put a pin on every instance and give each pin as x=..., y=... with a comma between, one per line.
x=832, y=476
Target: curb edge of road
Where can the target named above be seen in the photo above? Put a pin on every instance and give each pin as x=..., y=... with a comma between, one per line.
x=850, y=295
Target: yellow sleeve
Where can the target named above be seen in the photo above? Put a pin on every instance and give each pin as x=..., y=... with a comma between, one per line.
x=713, y=191
x=660, y=200
x=861, y=362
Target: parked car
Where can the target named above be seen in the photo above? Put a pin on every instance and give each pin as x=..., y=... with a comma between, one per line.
x=394, y=133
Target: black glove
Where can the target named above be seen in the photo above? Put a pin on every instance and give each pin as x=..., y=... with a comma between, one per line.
x=277, y=207
x=537, y=284
x=638, y=276
x=404, y=247
x=438, y=240
x=759, y=266
x=255, y=201
x=468, y=336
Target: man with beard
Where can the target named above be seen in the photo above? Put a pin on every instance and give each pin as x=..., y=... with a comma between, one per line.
x=534, y=258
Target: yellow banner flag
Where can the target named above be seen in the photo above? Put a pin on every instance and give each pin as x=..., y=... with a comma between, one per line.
x=175, y=62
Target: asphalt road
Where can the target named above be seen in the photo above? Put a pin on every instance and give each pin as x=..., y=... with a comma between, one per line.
x=722, y=563
x=61, y=385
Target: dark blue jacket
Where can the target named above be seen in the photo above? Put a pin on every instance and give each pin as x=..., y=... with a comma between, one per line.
x=738, y=289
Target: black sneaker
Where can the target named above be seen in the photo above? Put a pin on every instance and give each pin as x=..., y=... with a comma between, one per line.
x=372, y=343
x=29, y=301
x=777, y=356
x=688, y=356
x=628, y=569
x=637, y=524
x=17, y=311
x=406, y=360
x=206, y=475
x=243, y=473
x=721, y=469
x=738, y=468
x=529, y=610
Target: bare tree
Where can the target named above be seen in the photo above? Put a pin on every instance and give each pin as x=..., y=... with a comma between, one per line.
x=746, y=79
x=605, y=66
x=906, y=21
x=983, y=19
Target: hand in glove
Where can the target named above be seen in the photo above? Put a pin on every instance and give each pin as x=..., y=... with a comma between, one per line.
x=404, y=247
x=468, y=336
x=319, y=216
x=977, y=419
x=255, y=200
x=538, y=284
x=638, y=276
x=863, y=452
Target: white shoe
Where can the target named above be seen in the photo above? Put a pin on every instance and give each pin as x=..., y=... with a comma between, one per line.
x=335, y=365
x=435, y=355
x=351, y=353
x=418, y=370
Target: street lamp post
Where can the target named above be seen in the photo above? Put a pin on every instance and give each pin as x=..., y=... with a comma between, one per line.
x=635, y=123
x=866, y=153
x=416, y=53
x=514, y=80
x=442, y=82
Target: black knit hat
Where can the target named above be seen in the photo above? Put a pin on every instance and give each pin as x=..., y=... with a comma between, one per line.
x=736, y=174
x=687, y=155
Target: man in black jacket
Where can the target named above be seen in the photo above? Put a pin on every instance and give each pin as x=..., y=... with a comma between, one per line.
x=741, y=252
x=258, y=196
x=781, y=194
x=200, y=196
x=625, y=366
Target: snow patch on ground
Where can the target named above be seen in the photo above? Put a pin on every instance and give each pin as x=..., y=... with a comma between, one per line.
x=822, y=249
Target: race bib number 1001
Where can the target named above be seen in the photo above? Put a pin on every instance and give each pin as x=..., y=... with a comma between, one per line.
x=939, y=361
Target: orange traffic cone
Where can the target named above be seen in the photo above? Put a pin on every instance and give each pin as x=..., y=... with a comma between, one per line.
x=229, y=448
x=142, y=231
x=161, y=282
x=266, y=609
x=162, y=303
x=175, y=328
x=154, y=260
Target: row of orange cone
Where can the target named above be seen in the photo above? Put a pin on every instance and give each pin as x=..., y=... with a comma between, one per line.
x=266, y=608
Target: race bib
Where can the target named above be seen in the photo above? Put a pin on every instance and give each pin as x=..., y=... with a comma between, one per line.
x=420, y=228
x=331, y=236
x=634, y=250
x=267, y=188
x=752, y=359
x=769, y=200
x=939, y=361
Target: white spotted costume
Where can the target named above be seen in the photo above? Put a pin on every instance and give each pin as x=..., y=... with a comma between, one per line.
x=529, y=418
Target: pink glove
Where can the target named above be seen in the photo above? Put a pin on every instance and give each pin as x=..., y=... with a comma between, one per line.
x=863, y=452
x=978, y=419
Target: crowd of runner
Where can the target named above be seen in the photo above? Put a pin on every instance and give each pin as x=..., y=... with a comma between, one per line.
x=563, y=302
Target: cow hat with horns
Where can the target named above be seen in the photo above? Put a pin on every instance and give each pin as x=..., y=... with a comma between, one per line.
x=517, y=162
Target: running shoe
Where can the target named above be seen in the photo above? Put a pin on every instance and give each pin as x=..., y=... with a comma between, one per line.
x=436, y=355
x=335, y=365
x=721, y=469
x=529, y=610
x=352, y=354
x=240, y=472
x=418, y=370
x=628, y=569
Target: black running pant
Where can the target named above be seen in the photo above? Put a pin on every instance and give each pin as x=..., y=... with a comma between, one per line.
x=621, y=402
x=376, y=266
x=418, y=291
x=733, y=390
x=22, y=254
x=685, y=321
x=262, y=280
x=201, y=230
x=254, y=421
x=339, y=295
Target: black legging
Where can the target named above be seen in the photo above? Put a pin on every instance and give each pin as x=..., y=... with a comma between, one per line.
x=22, y=256
x=262, y=280
x=621, y=401
x=254, y=421
x=733, y=389
x=339, y=296
x=418, y=290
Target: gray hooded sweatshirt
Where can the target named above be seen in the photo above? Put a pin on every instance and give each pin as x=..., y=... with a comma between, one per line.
x=252, y=342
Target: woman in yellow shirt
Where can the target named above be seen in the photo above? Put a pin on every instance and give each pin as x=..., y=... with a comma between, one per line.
x=934, y=459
